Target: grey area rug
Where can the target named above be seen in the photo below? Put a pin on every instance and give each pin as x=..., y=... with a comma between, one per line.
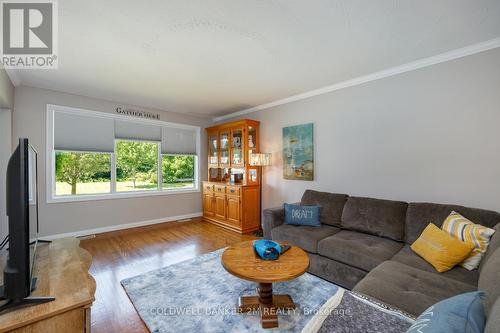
x=348, y=312
x=198, y=295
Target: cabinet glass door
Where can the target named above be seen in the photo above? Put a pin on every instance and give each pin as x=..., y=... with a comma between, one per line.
x=213, y=155
x=252, y=140
x=237, y=146
x=224, y=147
x=253, y=173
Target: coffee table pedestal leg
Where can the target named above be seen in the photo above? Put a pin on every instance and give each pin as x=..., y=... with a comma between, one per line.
x=267, y=303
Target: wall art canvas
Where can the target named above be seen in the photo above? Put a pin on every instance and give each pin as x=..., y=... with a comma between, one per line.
x=298, y=163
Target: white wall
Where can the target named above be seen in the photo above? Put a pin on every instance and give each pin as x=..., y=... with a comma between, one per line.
x=6, y=103
x=6, y=90
x=427, y=135
x=29, y=120
x=5, y=152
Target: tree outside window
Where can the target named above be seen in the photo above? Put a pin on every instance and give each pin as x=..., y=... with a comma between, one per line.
x=136, y=165
x=178, y=171
x=82, y=173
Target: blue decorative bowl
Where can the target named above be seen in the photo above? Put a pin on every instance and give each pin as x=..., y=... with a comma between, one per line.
x=267, y=249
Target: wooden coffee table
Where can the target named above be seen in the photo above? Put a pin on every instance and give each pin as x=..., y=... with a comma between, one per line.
x=241, y=261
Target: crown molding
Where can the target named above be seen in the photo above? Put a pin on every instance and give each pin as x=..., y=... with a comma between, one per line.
x=411, y=66
x=14, y=78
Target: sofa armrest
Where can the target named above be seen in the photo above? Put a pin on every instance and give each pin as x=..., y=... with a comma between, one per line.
x=273, y=217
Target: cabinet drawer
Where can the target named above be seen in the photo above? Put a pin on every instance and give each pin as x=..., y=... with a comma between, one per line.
x=220, y=188
x=208, y=187
x=233, y=190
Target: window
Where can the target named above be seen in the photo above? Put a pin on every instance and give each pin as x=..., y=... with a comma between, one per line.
x=93, y=155
x=136, y=166
x=82, y=173
x=178, y=171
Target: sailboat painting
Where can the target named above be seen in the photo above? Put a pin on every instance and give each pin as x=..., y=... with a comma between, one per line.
x=298, y=163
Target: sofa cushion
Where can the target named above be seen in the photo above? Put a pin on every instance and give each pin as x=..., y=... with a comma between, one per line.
x=332, y=205
x=378, y=217
x=359, y=250
x=419, y=215
x=408, y=257
x=304, y=237
x=489, y=279
x=408, y=288
x=341, y=274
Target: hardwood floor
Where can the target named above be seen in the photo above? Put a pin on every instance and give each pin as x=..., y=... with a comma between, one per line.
x=122, y=254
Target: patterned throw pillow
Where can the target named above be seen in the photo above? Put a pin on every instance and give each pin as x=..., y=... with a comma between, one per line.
x=476, y=234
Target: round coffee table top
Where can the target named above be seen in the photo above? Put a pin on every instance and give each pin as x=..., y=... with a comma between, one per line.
x=241, y=261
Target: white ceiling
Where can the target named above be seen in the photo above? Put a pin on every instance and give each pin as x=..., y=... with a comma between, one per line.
x=217, y=57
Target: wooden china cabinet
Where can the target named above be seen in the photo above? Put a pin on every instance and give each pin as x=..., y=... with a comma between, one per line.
x=231, y=196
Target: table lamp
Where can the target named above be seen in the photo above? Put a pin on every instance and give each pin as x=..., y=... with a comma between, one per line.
x=260, y=159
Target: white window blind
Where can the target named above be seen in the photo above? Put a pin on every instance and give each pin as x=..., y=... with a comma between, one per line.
x=83, y=133
x=130, y=130
x=178, y=141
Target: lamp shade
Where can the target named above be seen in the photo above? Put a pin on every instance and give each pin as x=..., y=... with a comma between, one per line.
x=260, y=159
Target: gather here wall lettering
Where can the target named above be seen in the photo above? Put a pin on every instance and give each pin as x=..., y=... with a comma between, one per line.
x=136, y=113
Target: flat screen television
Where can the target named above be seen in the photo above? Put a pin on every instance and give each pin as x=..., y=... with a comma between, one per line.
x=19, y=263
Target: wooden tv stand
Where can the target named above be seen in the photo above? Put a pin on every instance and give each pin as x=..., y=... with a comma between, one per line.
x=62, y=272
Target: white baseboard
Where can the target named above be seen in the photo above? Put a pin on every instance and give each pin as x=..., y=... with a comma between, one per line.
x=87, y=232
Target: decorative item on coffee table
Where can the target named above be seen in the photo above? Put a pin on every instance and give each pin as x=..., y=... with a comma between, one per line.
x=241, y=261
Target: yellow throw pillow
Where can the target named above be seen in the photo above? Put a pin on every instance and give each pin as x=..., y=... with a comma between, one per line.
x=465, y=230
x=440, y=249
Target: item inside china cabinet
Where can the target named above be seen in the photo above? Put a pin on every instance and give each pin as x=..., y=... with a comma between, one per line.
x=236, y=176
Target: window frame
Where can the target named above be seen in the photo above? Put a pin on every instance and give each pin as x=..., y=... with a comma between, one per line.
x=51, y=196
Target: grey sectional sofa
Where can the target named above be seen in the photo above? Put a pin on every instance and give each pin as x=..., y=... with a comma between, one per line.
x=363, y=244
